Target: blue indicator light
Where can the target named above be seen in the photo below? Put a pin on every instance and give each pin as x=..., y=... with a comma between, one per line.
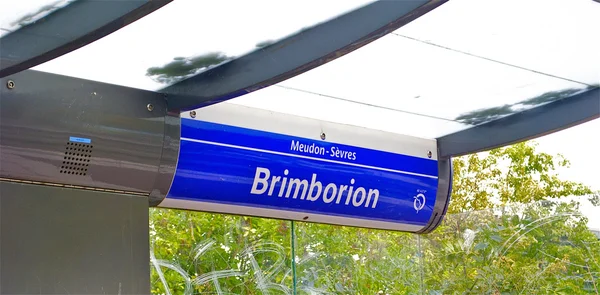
x=80, y=139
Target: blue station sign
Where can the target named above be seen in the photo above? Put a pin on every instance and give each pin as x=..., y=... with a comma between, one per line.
x=238, y=170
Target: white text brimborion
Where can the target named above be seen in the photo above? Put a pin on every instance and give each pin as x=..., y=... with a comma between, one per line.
x=312, y=190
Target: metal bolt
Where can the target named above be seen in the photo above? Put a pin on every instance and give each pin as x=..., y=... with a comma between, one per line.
x=429, y=154
x=10, y=84
x=193, y=114
x=150, y=107
x=323, y=135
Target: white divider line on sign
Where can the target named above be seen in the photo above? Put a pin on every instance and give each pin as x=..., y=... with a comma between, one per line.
x=306, y=157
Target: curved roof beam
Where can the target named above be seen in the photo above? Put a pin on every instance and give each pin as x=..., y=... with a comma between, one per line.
x=295, y=54
x=66, y=29
x=546, y=118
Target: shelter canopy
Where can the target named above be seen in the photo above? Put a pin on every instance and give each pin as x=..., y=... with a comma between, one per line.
x=461, y=73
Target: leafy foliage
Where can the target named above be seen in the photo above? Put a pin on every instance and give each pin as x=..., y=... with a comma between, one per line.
x=209, y=253
x=509, y=231
x=514, y=174
x=345, y=260
x=539, y=248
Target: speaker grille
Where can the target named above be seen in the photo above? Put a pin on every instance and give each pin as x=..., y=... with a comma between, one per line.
x=77, y=158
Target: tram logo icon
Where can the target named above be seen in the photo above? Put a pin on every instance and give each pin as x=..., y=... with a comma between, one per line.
x=419, y=202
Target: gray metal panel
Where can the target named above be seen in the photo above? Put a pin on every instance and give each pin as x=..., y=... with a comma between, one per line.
x=296, y=54
x=66, y=241
x=40, y=114
x=76, y=25
x=529, y=124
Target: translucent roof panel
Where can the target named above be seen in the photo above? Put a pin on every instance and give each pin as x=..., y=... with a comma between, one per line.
x=190, y=36
x=16, y=14
x=465, y=63
x=424, y=91
x=450, y=70
x=554, y=37
x=36, y=31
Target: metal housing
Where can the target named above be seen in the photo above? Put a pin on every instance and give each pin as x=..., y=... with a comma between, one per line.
x=133, y=140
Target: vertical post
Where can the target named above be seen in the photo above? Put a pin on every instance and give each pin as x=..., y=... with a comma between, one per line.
x=71, y=241
x=293, y=240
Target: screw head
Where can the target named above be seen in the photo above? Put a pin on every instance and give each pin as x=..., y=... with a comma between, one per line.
x=10, y=84
x=150, y=107
x=193, y=114
x=323, y=135
x=429, y=154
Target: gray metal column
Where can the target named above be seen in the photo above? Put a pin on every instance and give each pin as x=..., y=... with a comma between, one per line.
x=72, y=241
x=80, y=164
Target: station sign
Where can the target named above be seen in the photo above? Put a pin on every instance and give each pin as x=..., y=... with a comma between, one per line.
x=246, y=161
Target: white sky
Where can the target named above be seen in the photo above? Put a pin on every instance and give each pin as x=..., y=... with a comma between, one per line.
x=425, y=86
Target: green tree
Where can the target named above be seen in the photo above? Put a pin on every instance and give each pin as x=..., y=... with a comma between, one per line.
x=509, y=231
x=202, y=253
x=509, y=175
